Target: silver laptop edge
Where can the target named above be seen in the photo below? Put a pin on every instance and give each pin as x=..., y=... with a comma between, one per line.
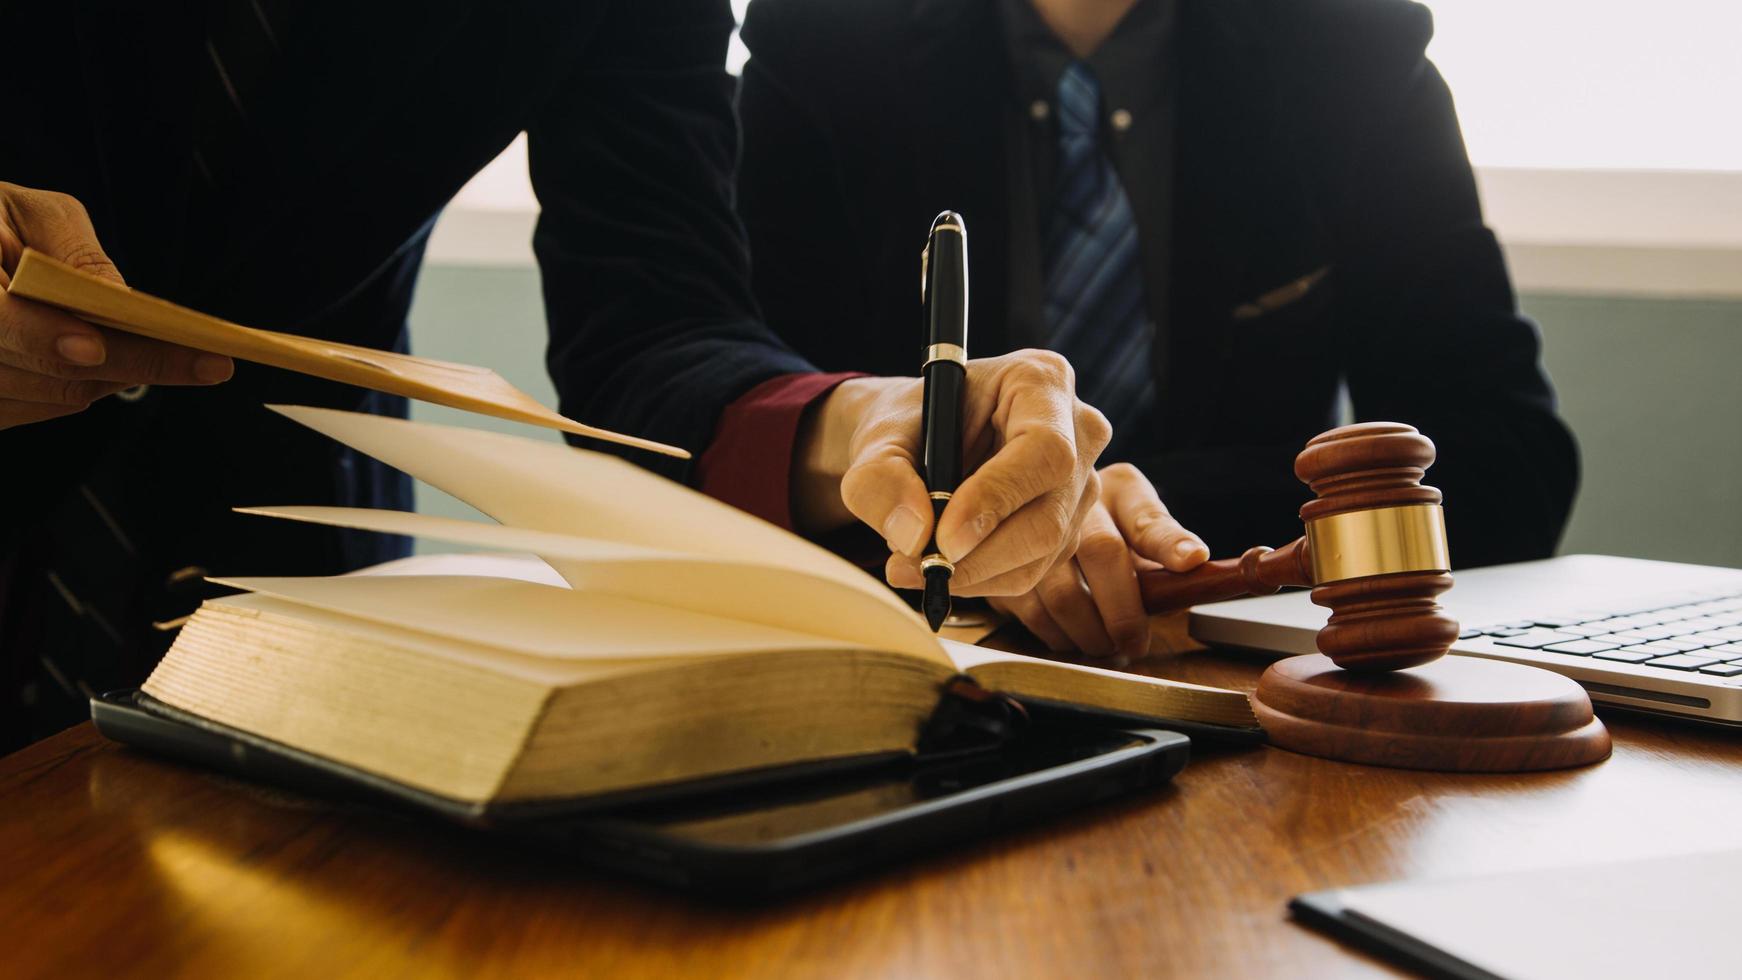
x=1287, y=623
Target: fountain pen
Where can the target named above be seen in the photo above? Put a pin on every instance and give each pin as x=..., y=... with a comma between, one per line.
x=944, y=296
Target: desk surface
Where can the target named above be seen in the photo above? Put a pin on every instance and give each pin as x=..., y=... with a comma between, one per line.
x=112, y=859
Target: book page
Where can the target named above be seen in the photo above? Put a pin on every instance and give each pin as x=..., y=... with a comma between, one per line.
x=527, y=568
x=465, y=386
x=545, y=486
x=553, y=622
x=265, y=615
x=729, y=588
x=967, y=658
x=1096, y=687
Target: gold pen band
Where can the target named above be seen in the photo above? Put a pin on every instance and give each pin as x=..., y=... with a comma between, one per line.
x=945, y=352
x=939, y=495
x=1382, y=541
x=946, y=226
x=936, y=561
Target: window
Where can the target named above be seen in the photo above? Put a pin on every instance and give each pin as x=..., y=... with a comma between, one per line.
x=1595, y=84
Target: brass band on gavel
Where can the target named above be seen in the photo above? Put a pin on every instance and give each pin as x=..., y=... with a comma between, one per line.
x=1381, y=541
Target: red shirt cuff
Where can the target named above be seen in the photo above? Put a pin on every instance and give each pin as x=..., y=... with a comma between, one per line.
x=749, y=463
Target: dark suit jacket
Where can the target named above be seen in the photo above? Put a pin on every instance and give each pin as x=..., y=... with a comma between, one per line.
x=1315, y=147
x=379, y=112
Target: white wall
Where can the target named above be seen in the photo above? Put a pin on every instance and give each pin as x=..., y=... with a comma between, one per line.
x=1594, y=84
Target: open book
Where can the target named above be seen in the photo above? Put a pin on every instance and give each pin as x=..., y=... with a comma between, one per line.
x=692, y=639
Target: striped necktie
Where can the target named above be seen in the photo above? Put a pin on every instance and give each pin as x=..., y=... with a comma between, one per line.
x=1094, y=284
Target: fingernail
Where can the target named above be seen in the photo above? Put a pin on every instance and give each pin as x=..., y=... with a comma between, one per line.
x=211, y=368
x=967, y=537
x=1186, y=548
x=80, y=349
x=905, y=531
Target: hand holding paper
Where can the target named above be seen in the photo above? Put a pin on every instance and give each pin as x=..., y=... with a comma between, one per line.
x=109, y=302
x=52, y=363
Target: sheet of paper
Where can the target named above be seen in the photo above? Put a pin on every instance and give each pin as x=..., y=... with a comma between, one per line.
x=727, y=587
x=465, y=386
x=1666, y=917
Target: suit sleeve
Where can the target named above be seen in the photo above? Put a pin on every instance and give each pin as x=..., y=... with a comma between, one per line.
x=645, y=268
x=1432, y=336
x=809, y=259
x=1423, y=316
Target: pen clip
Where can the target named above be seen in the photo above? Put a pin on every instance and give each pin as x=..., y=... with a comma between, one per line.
x=924, y=267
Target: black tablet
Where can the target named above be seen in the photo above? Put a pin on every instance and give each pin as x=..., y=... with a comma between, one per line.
x=745, y=840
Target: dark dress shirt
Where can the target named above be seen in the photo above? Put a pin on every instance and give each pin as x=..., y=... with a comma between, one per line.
x=1134, y=68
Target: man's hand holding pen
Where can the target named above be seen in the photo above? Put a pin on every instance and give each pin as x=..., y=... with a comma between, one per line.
x=1031, y=447
x=1056, y=543
x=1032, y=520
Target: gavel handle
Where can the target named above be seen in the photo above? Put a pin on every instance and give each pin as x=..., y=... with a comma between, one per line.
x=1260, y=571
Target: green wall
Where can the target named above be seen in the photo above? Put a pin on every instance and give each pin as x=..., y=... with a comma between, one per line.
x=492, y=317
x=1653, y=388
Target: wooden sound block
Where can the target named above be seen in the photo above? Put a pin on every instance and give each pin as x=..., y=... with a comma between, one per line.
x=1457, y=714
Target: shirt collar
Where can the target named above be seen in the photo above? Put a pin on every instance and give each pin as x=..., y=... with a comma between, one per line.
x=1130, y=64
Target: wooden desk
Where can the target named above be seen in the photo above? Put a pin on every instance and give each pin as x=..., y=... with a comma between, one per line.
x=114, y=862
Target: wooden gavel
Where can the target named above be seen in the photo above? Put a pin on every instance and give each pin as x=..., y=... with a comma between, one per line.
x=1374, y=552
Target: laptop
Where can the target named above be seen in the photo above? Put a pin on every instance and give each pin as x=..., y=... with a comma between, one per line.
x=1651, y=636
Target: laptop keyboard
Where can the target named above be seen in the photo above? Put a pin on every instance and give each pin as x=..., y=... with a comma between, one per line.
x=1690, y=632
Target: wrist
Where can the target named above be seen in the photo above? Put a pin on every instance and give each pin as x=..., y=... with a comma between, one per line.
x=824, y=451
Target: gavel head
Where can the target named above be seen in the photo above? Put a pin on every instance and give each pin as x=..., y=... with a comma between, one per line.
x=1376, y=539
